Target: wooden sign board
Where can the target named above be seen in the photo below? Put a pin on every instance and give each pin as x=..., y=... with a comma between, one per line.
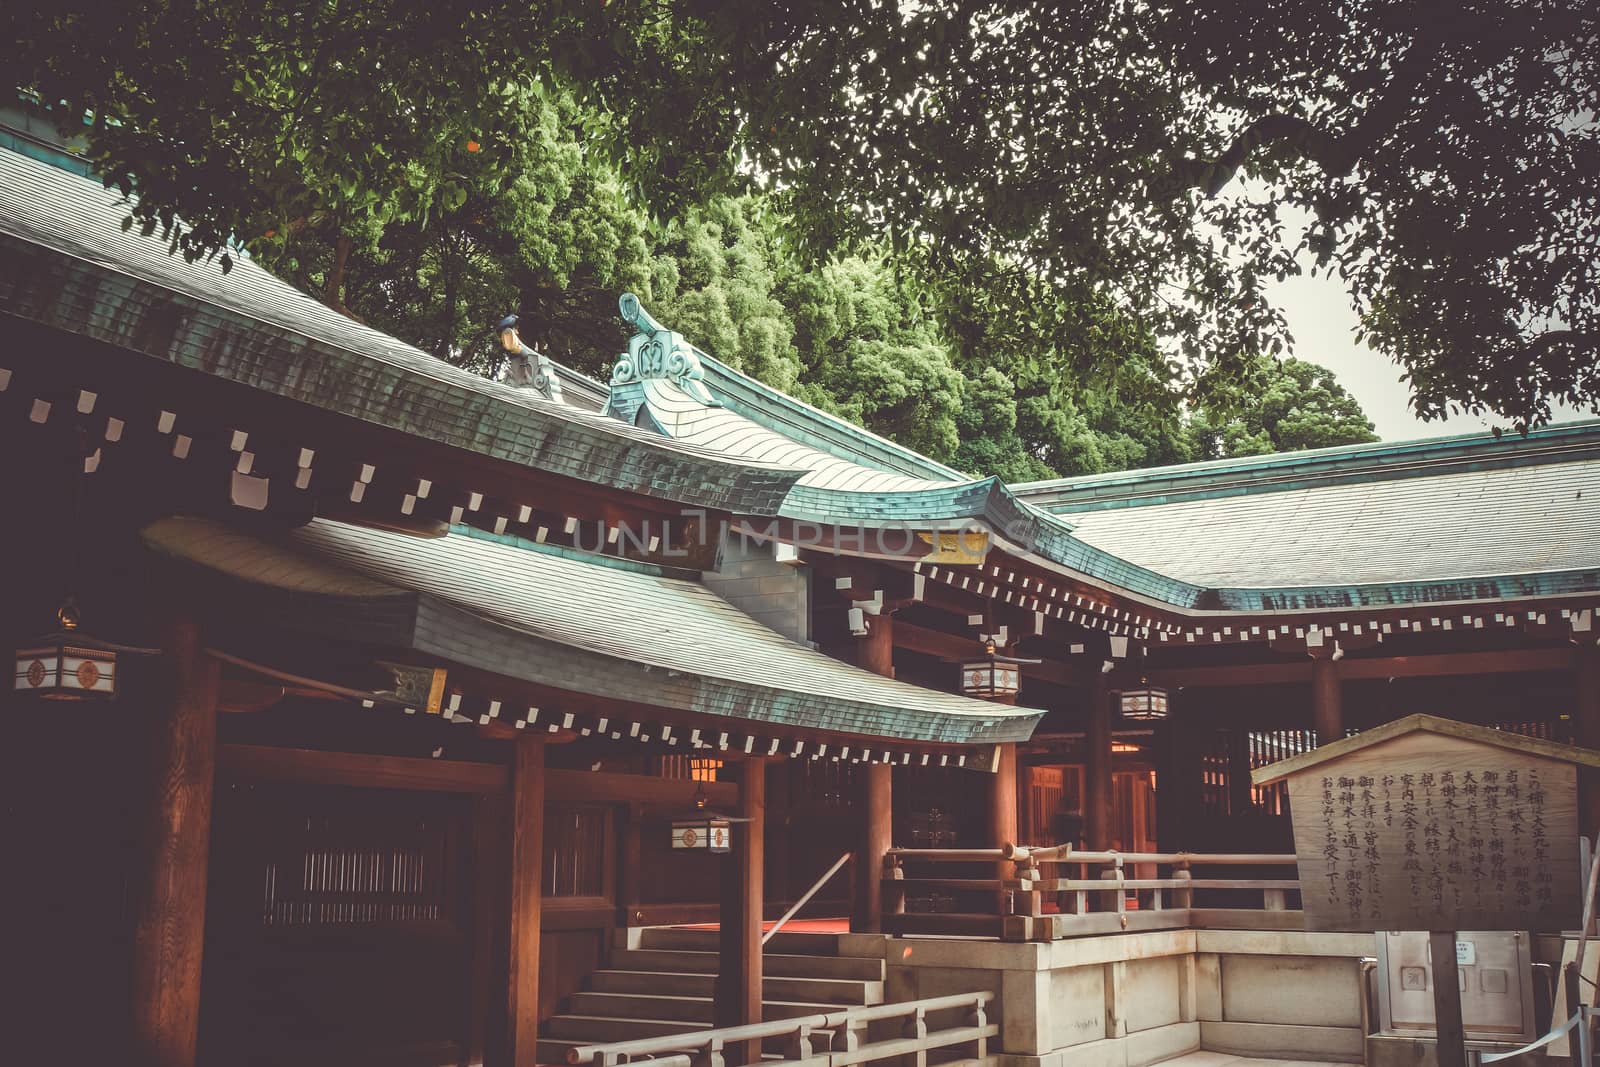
x=1426, y=828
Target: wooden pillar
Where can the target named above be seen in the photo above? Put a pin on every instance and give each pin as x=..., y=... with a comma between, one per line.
x=875, y=652
x=1003, y=811
x=876, y=805
x=630, y=852
x=1097, y=807
x=170, y=907
x=875, y=796
x=738, y=988
x=1586, y=714
x=1003, y=798
x=527, y=900
x=1239, y=796
x=1327, y=709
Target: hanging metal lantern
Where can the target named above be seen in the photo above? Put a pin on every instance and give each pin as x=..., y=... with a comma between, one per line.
x=69, y=664
x=704, y=829
x=989, y=678
x=1146, y=703
x=709, y=832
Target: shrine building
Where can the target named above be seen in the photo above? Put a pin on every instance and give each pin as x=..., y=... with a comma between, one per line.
x=368, y=710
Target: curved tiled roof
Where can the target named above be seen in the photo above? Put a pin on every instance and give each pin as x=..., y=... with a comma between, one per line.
x=503, y=606
x=68, y=264
x=1448, y=527
x=1467, y=518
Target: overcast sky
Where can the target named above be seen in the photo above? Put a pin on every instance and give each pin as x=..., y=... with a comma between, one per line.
x=1324, y=328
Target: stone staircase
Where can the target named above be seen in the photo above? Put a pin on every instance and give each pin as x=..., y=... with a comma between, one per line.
x=662, y=984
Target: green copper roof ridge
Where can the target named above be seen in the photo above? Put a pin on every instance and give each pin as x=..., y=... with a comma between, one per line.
x=91, y=277
x=811, y=425
x=578, y=555
x=1431, y=591
x=1376, y=461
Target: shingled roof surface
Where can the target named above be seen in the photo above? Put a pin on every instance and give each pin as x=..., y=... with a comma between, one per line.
x=1448, y=510
x=582, y=625
x=1468, y=518
x=65, y=262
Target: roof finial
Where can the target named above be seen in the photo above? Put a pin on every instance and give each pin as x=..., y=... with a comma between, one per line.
x=529, y=369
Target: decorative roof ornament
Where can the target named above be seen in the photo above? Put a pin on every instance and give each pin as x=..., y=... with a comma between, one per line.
x=657, y=352
x=529, y=369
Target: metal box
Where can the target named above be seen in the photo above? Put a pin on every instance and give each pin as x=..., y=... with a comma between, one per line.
x=1496, y=977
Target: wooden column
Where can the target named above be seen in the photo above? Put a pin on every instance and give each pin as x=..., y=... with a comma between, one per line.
x=876, y=806
x=738, y=987
x=875, y=798
x=1586, y=714
x=1239, y=797
x=1097, y=807
x=629, y=863
x=1003, y=812
x=527, y=899
x=1327, y=709
x=170, y=906
x=875, y=652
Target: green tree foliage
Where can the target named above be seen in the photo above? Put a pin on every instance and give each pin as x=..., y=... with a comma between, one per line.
x=543, y=228
x=1446, y=154
x=1290, y=405
x=428, y=169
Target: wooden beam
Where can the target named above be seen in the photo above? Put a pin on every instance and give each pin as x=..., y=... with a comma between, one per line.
x=527, y=894
x=316, y=767
x=1498, y=661
x=170, y=907
x=607, y=787
x=1445, y=664
x=953, y=647
x=738, y=986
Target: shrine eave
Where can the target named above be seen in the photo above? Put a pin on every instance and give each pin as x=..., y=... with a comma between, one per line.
x=66, y=264
x=612, y=633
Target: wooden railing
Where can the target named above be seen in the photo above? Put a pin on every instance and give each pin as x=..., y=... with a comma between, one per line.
x=837, y=1039
x=1099, y=892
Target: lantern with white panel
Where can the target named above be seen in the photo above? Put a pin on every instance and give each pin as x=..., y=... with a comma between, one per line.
x=704, y=829
x=1144, y=703
x=708, y=832
x=69, y=664
x=988, y=678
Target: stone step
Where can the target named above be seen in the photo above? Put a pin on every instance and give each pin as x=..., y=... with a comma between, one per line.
x=776, y=964
x=689, y=1009
x=790, y=942
x=833, y=991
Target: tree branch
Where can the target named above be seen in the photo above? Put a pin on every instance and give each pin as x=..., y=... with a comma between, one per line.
x=1334, y=154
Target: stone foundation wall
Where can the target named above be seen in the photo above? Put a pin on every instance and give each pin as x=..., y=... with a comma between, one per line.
x=1127, y=1000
